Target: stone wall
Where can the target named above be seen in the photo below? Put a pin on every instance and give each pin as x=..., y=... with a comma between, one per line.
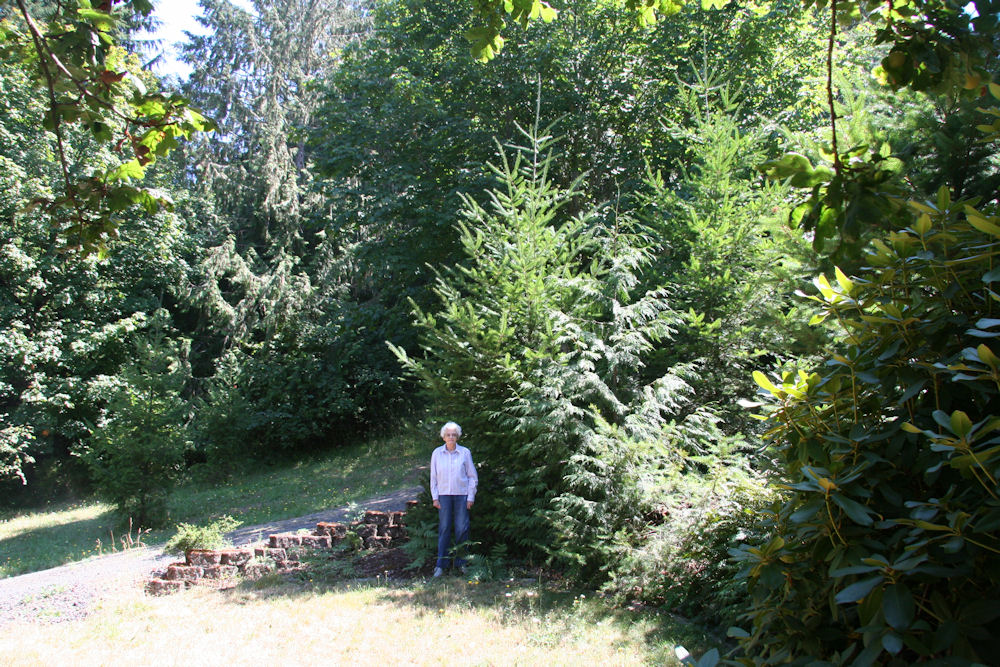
x=377, y=530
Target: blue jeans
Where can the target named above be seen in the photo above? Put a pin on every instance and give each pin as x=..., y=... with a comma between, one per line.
x=452, y=516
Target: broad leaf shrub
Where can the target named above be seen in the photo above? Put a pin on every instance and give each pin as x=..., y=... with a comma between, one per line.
x=887, y=546
x=311, y=387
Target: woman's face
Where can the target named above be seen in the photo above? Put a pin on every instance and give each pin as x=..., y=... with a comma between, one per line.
x=450, y=438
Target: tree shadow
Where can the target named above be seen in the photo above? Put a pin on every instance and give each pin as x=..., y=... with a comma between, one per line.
x=529, y=600
x=513, y=601
x=51, y=546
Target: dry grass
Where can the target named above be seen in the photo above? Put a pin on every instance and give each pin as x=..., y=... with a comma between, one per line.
x=449, y=621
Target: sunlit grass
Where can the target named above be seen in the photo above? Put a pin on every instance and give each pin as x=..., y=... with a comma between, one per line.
x=346, y=476
x=420, y=623
x=62, y=534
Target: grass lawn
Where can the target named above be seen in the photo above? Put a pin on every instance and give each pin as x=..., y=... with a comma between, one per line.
x=516, y=622
x=62, y=534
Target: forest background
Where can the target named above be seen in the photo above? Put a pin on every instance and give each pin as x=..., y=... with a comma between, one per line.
x=603, y=249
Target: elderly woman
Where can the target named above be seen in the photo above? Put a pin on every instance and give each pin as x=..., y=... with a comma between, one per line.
x=453, y=488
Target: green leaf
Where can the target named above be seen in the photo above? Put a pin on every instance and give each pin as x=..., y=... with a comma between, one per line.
x=858, y=590
x=129, y=170
x=953, y=545
x=922, y=207
x=868, y=655
x=923, y=224
x=858, y=512
x=763, y=382
x=910, y=392
x=790, y=164
x=807, y=512
x=845, y=283
x=869, y=378
x=991, y=276
x=960, y=423
x=854, y=569
x=484, y=42
x=897, y=605
x=710, y=659
x=987, y=357
x=823, y=285
x=892, y=643
x=983, y=225
x=980, y=612
x=101, y=20
x=927, y=525
x=152, y=107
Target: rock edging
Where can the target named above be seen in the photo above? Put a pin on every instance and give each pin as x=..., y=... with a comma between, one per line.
x=377, y=530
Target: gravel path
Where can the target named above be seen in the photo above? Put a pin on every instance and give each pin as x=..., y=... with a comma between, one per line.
x=69, y=592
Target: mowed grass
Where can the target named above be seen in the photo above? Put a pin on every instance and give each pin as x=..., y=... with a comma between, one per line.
x=38, y=540
x=418, y=623
x=61, y=534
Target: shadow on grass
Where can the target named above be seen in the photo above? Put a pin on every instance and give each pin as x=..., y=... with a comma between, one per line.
x=50, y=546
x=550, y=608
x=262, y=494
x=546, y=612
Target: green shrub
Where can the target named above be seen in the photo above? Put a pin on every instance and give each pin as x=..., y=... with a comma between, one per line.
x=136, y=452
x=422, y=527
x=220, y=423
x=15, y=443
x=210, y=536
x=291, y=393
x=708, y=506
x=888, y=546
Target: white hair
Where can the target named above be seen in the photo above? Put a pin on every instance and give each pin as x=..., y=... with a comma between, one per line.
x=451, y=425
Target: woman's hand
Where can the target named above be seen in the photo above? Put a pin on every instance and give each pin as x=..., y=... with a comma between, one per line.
x=437, y=504
x=468, y=506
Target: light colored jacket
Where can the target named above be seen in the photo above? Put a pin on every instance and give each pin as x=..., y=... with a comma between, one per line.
x=453, y=473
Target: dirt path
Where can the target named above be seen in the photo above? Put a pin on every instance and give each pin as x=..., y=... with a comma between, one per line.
x=70, y=591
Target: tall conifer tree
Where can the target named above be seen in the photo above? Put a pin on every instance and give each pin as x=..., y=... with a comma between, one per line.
x=538, y=349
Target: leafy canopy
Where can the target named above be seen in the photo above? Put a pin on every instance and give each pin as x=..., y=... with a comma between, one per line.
x=72, y=50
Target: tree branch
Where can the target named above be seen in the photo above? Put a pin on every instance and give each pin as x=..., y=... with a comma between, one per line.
x=39, y=41
x=829, y=85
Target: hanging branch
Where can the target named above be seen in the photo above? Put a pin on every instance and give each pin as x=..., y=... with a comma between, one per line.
x=39, y=41
x=81, y=89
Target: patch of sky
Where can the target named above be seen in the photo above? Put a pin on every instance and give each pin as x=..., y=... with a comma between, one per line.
x=176, y=19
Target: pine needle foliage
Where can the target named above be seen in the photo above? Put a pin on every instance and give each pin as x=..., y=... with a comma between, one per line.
x=538, y=349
